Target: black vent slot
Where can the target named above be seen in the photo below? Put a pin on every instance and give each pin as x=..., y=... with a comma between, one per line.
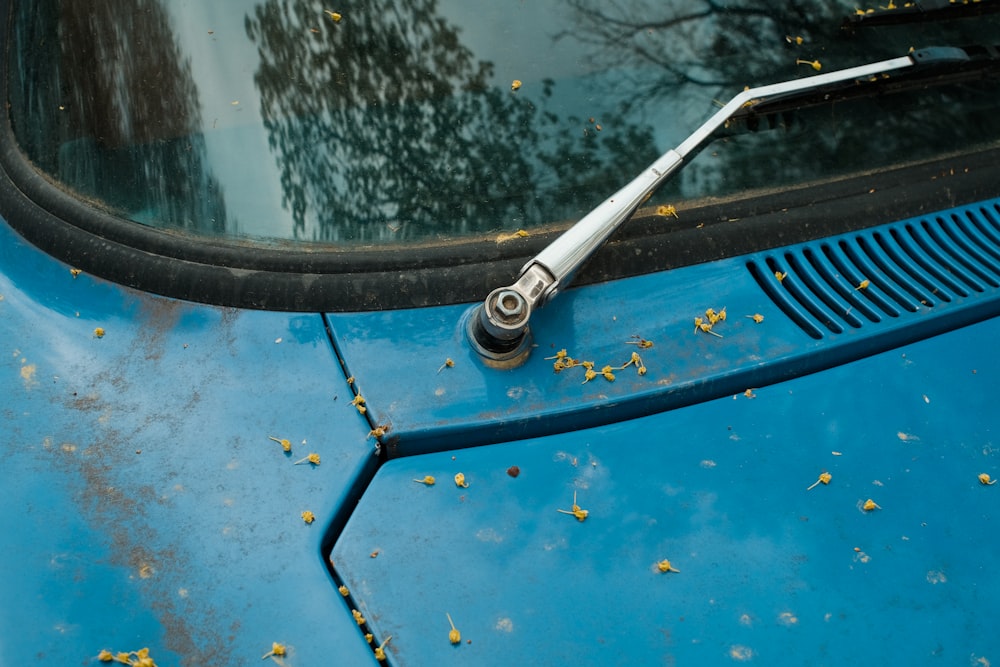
x=884, y=273
x=765, y=277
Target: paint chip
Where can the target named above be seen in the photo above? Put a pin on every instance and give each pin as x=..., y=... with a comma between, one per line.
x=740, y=653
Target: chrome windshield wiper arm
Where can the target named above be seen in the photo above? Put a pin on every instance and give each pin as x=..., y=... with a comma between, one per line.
x=498, y=328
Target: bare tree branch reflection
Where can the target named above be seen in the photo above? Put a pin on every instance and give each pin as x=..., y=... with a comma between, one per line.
x=385, y=126
x=701, y=43
x=673, y=51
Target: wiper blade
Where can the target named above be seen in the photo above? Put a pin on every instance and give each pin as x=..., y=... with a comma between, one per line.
x=498, y=328
x=916, y=12
x=940, y=66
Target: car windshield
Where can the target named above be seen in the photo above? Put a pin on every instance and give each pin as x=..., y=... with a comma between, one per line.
x=389, y=122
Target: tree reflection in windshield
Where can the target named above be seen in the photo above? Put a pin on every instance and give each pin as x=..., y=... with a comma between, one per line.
x=125, y=107
x=385, y=126
x=393, y=125
x=710, y=50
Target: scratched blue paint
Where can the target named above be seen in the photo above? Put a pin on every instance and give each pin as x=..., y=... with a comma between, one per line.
x=769, y=570
x=396, y=355
x=477, y=404
x=144, y=505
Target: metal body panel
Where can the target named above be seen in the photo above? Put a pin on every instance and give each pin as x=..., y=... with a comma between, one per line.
x=144, y=505
x=148, y=506
x=677, y=512
x=769, y=569
x=399, y=356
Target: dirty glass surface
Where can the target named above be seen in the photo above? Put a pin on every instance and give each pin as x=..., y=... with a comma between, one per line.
x=381, y=122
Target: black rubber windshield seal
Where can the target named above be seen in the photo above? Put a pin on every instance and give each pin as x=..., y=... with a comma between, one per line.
x=297, y=277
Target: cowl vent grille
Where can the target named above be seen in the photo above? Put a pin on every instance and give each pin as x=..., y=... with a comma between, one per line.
x=886, y=273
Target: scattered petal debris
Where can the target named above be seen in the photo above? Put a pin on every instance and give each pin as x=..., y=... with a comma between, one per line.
x=277, y=651
x=75, y=272
x=460, y=481
x=515, y=84
x=712, y=317
x=870, y=505
x=634, y=360
x=667, y=211
x=308, y=517
x=454, y=636
x=334, y=16
x=580, y=513
x=312, y=459
x=380, y=650
x=665, y=566
x=513, y=471
x=985, y=480
x=99, y=332
x=824, y=478
x=428, y=480
x=564, y=361
x=756, y=317
x=519, y=234
x=138, y=658
x=448, y=363
x=815, y=64
x=640, y=341
x=286, y=444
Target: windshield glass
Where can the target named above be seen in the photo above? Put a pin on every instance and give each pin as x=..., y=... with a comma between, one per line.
x=419, y=121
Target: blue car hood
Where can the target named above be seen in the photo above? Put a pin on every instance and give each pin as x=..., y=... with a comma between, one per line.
x=679, y=514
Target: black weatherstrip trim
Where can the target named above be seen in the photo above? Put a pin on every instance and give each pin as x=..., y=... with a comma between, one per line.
x=292, y=277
